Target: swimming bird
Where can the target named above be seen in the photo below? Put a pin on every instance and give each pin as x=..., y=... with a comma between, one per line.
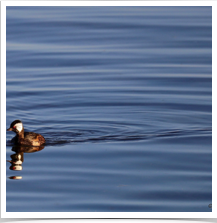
x=25, y=138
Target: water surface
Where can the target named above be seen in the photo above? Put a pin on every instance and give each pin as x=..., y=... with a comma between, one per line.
x=123, y=96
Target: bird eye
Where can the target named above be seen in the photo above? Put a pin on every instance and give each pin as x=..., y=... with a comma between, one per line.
x=14, y=127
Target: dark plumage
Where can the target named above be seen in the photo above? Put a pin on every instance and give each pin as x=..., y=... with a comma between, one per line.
x=25, y=138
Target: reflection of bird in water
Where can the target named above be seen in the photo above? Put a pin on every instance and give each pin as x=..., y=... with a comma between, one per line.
x=25, y=138
x=17, y=158
x=16, y=162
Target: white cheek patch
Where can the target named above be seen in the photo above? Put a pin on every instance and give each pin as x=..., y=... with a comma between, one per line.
x=19, y=126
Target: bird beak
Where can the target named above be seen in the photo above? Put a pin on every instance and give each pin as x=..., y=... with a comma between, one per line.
x=10, y=129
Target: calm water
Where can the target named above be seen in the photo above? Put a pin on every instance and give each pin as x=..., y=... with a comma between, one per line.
x=123, y=96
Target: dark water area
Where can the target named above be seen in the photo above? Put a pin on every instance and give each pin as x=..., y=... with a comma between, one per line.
x=123, y=97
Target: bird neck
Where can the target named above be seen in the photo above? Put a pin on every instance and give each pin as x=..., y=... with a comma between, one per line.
x=21, y=134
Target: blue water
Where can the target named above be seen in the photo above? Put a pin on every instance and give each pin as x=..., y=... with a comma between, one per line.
x=123, y=97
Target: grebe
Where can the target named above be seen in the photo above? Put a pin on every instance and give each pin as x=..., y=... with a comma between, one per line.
x=25, y=138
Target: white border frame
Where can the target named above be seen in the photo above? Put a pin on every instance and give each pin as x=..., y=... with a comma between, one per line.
x=109, y=215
